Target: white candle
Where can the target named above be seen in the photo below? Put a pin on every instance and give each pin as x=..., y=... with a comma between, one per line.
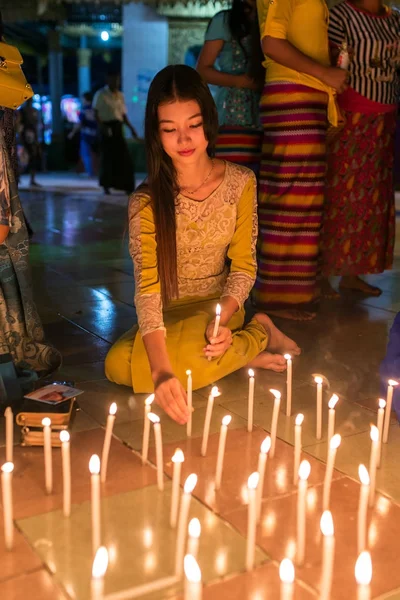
x=193, y=586
x=189, y=392
x=194, y=531
x=188, y=488
x=66, y=470
x=330, y=463
x=207, y=421
x=319, y=380
x=216, y=324
x=107, y=441
x=363, y=574
x=331, y=416
x=297, y=446
x=6, y=491
x=275, y=416
x=250, y=405
x=221, y=450
x=252, y=484
x=379, y=424
x=48, y=458
x=391, y=385
x=146, y=428
x=159, y=449
x=304, y=472
x=289, y=377
x=373, y=462
x=262, y=461
x=100, y=565
x=286, y=575
x=362, y=509
x=9, y=417
x=94, y=468
x=177, y=459
x=328, y=555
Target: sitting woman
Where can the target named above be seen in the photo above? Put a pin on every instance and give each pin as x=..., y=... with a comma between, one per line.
x=193, y=230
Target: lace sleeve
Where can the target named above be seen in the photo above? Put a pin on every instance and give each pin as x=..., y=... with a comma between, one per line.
x=143, y=250
x=242, y=249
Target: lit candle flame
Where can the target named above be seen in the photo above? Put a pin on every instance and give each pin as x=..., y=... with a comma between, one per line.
x=276, y=394
x=287, y=357
x=326, y=523
x=194, y=528
x=335, y=441
x=266, y=445
x=252, y=481
x=113, y=408
x=251, y=373
x=226, y=420
x=286, y=571
x=363, y=475
x=333, y=401
x=192, y=569
x=8, y=467
x=46, y=422
x=100, y=563
x=363, y=570
x=178, y=457
x=299, y=419
x=318, y=379
x=304, y=470
x=215, y=392
x=149, y=400
x=94, y=465
x=393, y=383
x=190, y=483
x=374, y=433
x=382, y=403
x=153, y=418
x=64, y=436
x=218, y=310
x=188, y=372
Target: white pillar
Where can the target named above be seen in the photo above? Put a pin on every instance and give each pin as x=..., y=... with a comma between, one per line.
x=144, y=53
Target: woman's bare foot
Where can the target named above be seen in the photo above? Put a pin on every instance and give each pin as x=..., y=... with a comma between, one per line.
x=266, y=360
x=328, y=291
x=278, y=342
x=353, y=282
x=294, y=314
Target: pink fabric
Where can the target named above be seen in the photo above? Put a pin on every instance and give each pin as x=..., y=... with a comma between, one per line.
x=352, y=101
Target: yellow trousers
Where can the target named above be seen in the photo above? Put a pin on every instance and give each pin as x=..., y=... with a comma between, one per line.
x=127, y=363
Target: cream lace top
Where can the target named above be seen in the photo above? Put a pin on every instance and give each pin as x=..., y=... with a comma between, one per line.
x=216, y=246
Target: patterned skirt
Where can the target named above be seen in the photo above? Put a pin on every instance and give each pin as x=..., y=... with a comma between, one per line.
x=359, y=214
x=291, y=195
x=240, y=145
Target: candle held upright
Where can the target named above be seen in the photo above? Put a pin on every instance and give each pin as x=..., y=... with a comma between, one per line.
x=289, y=378
x=107, y=441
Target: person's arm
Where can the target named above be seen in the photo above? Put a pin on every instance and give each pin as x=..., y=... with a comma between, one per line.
x=74, y=131
x=169, y=393
x=276, y=46
x=205, y=66
x=130, y=126
x=243, y=268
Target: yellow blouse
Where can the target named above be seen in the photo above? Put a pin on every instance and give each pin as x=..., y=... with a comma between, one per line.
x=303, y=23
x=220, y=229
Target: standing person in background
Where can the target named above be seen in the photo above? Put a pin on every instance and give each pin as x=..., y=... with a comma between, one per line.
x=297, y=99
x=116, y=166
x=28, y=129
x=88, y=129
x=359, y=213
x=232, y=44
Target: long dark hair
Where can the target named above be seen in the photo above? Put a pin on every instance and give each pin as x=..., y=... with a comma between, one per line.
x=175, y=82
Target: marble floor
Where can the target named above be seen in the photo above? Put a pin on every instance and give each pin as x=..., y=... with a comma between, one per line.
x=83, y=285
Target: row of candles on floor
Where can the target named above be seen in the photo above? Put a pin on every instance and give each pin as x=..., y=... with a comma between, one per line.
x=301, y=473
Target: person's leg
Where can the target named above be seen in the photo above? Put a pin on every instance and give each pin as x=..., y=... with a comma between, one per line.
x=86, y=157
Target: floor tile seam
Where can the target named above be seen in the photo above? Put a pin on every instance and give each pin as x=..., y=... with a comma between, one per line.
x=325, y=441
x=25, y=571
x=85, y=330
x=389, y=310
x=387, y=595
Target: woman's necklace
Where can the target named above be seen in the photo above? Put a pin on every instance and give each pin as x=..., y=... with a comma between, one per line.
x=191, y=192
